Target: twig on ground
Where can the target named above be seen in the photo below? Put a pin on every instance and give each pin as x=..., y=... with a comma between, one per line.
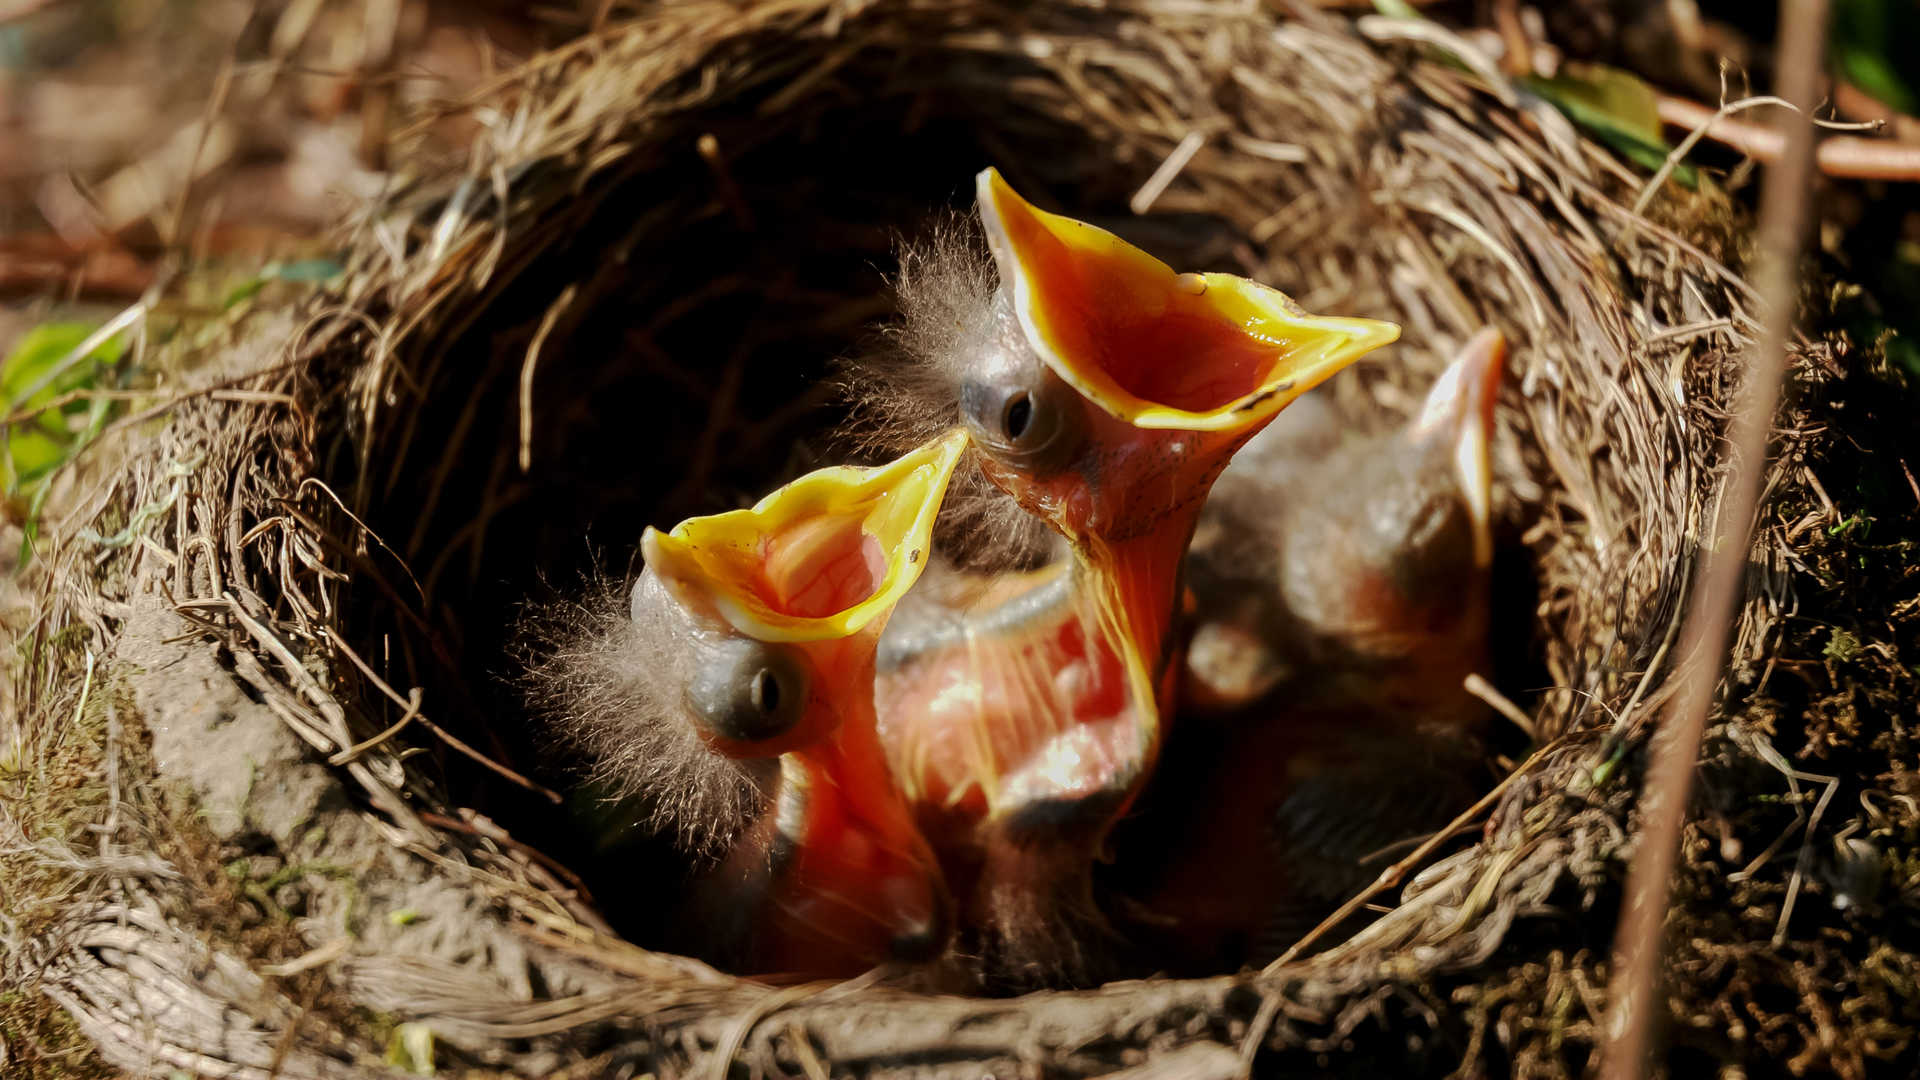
x=1393, y=874
x=1269, y=1006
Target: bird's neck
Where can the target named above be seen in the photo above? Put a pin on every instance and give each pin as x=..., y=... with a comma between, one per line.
x=1135, y=585
x=852, y=874
x=1132, y=586
x=841, y=772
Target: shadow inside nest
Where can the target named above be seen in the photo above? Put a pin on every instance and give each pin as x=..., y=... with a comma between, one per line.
x=669, y=352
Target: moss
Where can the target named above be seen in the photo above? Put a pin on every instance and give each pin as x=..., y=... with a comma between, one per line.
x=61, y=777
x=1841, y=646
x=43, y=1043
x=1828, y=986
x=57, y=794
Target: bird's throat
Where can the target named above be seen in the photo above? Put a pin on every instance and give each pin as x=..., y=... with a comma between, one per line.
x=1133, y=585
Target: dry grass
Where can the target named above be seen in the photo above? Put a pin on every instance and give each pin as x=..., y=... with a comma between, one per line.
x=592, y=291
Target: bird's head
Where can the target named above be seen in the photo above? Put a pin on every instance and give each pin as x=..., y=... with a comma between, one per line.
x=1104, y=392
x=1113, y=391
x=768, y=619
x=1397, y=554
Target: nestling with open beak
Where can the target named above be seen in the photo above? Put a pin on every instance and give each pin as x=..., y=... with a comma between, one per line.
x=1104, y=393
x=739, y=695
x=1342, y=594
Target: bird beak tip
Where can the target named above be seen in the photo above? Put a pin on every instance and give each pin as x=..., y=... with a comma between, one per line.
x=1461, y=411
x=1097, y=309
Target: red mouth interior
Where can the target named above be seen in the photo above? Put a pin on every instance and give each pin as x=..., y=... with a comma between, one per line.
x=1039, y=712
x=1159, y=342
x=816, y=568
x=1188, y=360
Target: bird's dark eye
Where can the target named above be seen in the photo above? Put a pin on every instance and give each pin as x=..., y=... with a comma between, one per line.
x=1018, y=415
x=765, y=692
x=1026, y=421
x=750, y=692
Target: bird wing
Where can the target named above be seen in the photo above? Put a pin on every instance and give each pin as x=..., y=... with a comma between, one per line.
x=1345, y=819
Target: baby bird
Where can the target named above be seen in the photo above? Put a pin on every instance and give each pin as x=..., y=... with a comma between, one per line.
x=1341, y=592
x=1353, y=569
x=739, y=695
x=1104, y=393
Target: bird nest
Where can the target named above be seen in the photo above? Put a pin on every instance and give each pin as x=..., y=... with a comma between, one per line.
x=275, y=813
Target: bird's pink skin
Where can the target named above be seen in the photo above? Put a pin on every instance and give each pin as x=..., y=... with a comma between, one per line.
x=1173, y=373
x=1342, y=587
x=841, y=872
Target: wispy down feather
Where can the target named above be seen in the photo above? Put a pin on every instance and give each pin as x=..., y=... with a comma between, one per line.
x=904, y=389
x=610, y=687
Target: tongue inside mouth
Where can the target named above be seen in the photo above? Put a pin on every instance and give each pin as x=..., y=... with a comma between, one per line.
x=814, y=568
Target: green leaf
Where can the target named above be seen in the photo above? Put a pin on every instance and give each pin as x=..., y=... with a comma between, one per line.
x=308, y=270
x=1872, y=48
x=40, y=350
x=1853, y=521
x=38, y=445
x=32, y=454
x=242, y=292
x=41, y=368
x=1841, y=646
x=1616, y=107
x=300, y=271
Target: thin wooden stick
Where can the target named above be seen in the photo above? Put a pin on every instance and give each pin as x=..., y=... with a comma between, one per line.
x=1479, y=687
x=1270, y=1003
x=1633, y=996
x=444, y=735
x=547, y=322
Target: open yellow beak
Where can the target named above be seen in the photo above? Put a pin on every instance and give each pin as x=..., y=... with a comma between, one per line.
x=1156, y=349
x=820, y=558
